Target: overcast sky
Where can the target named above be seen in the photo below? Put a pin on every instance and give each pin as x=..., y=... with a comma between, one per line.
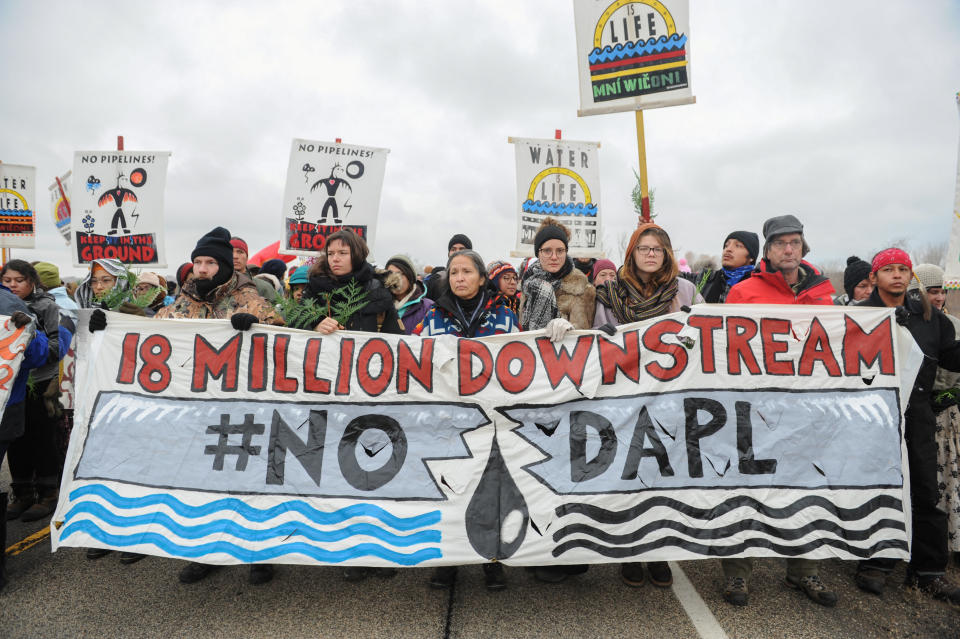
x=842, y=113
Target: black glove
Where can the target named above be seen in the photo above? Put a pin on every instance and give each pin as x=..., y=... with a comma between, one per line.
x=243, y=321
x=98, y=321
x=608, y=328
x=20, y=319
x=902, y=315
x=685, y=308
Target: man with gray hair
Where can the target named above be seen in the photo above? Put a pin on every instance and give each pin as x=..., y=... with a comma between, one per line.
x=782, y=277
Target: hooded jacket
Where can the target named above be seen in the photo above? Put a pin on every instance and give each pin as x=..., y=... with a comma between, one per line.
x=377, y=315
x=45, y=309
x=413, y=309
x=84, y=294
x=236, y=295
x=765, y=286
x=444, y=319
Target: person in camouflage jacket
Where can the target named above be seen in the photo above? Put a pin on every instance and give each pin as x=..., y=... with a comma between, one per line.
x=224, y=293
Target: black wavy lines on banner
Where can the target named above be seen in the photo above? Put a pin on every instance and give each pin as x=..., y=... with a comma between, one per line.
x=605, y=516
x=624, y=552
x=752, y=525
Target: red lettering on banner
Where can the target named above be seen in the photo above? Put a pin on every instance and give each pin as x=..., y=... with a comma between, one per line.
x=519, y=352
x=740, y=330
x=128, y=358
x=769, y=329
x=222, y=364
x=817, y=349
x=258, y=363
x=311, y=358
x=346, y=366
x=408, y=366
x=861, y=346
x=282, y=383
x=626, y=359
x=653, y=341
x=706, y=324
x=155, y=351
x=467, y=349
x=375, y=385
x=560, y=364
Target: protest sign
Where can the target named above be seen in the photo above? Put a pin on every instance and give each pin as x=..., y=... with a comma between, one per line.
x=731, y=431
x=330, y=186
x=559, y=179
x=18, y=219
x=118, y=197
x=951, y=277
x=13, y=342
x=632, y=54
x=60, y=204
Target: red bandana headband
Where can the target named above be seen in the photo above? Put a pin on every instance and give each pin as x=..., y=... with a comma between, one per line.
x=890, y=256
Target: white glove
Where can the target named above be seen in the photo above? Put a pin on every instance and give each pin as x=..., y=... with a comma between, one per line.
x=556, y=329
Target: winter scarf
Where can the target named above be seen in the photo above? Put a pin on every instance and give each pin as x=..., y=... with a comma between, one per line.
x=734, y=275
x=540, y=303
x=629, y=305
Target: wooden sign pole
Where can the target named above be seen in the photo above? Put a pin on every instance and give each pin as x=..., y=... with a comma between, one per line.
x=644, y=186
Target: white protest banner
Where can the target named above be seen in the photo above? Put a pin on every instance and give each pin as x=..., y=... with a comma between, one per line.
x=118, y=197
x=18, y=199
x=68, y=368
x=560, y=179
x=13, y=342
x=632, y=54
x=330, y=186
x=60, y=204
x=731, y=431
x=951, y=277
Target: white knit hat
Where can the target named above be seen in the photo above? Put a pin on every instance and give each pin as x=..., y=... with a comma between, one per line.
x=930, y=275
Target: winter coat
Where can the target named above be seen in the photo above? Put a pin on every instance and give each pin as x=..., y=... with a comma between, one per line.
x=443, y=319
x=378, y=314
x=413, y=309
x=67, y=306
x=45, y=309
x=264, y=288
x=236, y=295
x=935, y=337
x=545, y=298
x=945, y=379
x=686, y=296
x=715, y=289
x=436, y=282
x=769, y=287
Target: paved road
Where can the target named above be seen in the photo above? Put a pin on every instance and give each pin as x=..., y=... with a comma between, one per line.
x=64, y=595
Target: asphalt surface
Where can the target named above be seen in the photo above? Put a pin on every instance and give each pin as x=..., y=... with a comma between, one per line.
x=64, y=595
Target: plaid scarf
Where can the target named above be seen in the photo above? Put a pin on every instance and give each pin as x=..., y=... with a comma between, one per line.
x=629, y=305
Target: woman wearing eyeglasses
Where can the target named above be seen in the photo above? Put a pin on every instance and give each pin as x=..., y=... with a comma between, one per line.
x=556, y=296
x=103, y=277
x=646, y=286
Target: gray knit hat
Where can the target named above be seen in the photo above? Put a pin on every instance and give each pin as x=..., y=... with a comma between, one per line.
x=930, y=275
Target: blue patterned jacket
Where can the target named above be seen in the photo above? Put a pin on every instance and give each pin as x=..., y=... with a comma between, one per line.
x=496, y=318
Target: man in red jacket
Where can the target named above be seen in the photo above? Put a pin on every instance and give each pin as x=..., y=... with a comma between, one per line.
x=781, y=278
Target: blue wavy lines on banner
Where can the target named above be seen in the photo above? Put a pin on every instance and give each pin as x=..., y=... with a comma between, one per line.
x=250, y=513
x=640, y=47
x=228, y=527
x=551, y=208
x=247, y=555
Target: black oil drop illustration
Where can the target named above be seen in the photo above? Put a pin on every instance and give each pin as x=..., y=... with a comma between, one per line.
x=496, y=498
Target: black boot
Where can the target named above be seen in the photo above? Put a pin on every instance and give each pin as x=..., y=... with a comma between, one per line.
x=3, y=540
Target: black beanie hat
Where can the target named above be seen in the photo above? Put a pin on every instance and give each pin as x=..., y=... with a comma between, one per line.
x=549, y=232
x=459, y=238
x=216, y=244
x=275, y=267
x=857, y=270
x=750, y=240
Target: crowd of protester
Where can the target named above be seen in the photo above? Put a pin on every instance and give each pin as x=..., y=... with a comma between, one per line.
x=467, y=297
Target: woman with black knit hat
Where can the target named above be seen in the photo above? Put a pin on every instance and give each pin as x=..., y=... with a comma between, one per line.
x=740, y=251
x=555, y=294
x=856, y=282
